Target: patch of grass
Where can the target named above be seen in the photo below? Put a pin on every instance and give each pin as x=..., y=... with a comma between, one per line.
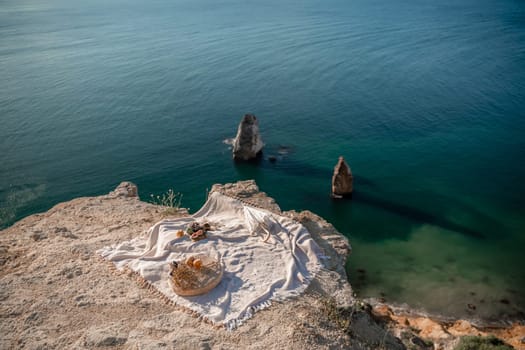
x=170, y=199
x=332, y=312
x=482, y=343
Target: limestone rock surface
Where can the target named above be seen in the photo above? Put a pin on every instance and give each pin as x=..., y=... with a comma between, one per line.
x=248, y=142
x=342, y=180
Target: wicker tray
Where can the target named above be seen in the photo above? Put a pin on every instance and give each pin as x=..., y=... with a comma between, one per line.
x=189, y=281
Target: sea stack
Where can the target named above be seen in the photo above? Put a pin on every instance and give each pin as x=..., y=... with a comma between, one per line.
x=248, y=143
x=342, y=180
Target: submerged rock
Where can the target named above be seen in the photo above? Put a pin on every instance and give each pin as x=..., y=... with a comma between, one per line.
x=342, y=180
x=248, y=143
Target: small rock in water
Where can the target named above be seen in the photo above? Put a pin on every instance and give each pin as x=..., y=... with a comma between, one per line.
x=283, y=150
x=342, y=180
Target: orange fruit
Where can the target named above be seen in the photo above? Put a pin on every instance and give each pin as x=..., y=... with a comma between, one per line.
x=190, y=261
x=197, y=263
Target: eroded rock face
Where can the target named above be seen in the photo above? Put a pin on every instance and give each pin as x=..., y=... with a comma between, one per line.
x=342, y=180
x=125, y=189
x=248, y=143
x=248, y=191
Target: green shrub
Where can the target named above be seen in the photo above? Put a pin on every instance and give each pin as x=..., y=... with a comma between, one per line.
x=482, y=343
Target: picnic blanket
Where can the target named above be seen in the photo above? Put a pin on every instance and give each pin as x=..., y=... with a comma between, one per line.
x=265, y=257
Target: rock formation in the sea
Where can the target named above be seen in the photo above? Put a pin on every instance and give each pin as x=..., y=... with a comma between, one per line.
x=342, y=180
x=248, y=143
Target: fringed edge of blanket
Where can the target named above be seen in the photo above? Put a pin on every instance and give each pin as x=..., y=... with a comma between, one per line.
x=145, y=284
x=275, y=298
x=228, y=325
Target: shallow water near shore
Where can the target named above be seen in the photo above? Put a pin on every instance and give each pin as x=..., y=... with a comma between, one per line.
x=425, y=100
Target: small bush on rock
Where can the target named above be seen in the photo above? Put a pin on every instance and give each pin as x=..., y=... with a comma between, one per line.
x=482, y=343
x=171, y=200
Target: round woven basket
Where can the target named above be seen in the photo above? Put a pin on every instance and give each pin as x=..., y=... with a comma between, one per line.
x=202, y=281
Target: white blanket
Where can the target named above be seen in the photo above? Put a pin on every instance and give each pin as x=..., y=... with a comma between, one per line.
x=255, y=271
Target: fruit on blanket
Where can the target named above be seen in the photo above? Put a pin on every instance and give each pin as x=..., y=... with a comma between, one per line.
x=197, y=263
x=198, y=231
x=179, y=233
x=198, y=235
x=190, y=261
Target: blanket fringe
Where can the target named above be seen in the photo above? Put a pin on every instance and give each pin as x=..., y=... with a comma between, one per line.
x=230, y=325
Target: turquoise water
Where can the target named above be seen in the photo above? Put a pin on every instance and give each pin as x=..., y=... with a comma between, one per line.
x=425, y=99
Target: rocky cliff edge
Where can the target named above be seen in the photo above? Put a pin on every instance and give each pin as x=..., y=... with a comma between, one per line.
x=55, y=293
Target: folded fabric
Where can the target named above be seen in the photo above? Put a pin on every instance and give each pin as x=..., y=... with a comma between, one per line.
x=265, y=257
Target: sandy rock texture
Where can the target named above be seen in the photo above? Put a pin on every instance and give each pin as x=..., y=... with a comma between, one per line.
x=55, y=293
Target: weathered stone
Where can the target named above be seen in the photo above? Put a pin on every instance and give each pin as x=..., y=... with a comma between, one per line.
x=368, y=331
x=429, y=329
x=250, y=193
x=462, y=327
x=105, y=336
x=248, y=143
x=125, y=189
x=342, y=180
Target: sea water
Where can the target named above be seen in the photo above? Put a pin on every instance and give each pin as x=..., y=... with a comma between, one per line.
x=424, y=99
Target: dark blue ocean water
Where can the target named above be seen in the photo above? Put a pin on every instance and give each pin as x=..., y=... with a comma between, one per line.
x=425, y=99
